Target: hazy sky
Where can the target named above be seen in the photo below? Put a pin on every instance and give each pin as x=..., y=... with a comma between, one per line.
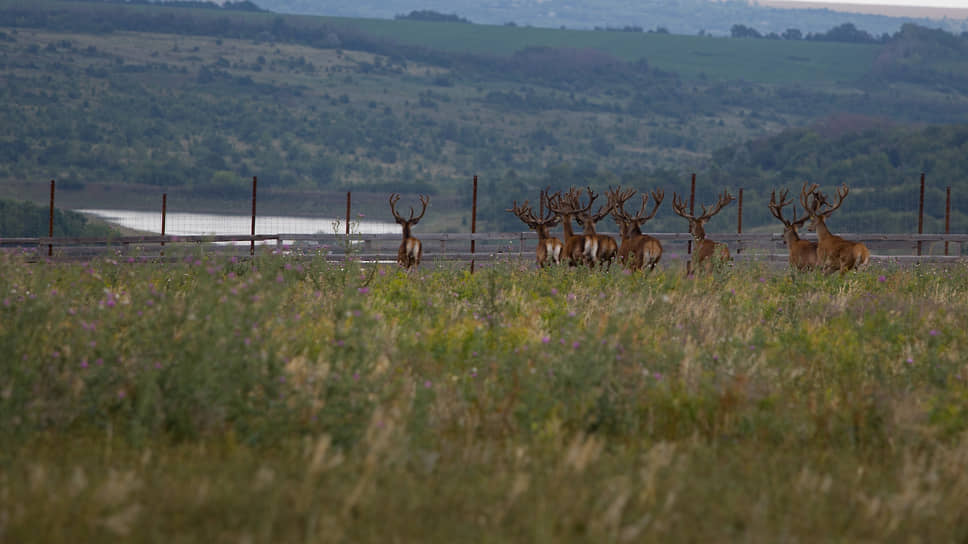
x=917, y=3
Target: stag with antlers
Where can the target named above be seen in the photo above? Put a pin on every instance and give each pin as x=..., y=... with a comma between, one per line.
x=598, y=248
x=833, y=252
x=704, y=251
x=637, y=249
x=803, y=253
x=563, y=207
x=549, y=248
x=408, y=256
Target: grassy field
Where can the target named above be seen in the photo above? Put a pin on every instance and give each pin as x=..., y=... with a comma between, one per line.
x=759, y=61
x=282, y=400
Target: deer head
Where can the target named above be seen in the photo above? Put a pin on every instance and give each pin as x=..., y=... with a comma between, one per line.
x=407, y=223
x=583, y=215
x=818, y=208
x=696, y=223
x=564, y=206
x=538, y=224
x=789, y=227
x=629, y=224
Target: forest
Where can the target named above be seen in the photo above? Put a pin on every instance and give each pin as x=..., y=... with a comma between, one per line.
x=201, y=100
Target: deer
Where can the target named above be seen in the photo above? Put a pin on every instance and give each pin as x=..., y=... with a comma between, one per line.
x=704, y=251
x=408, y=256
x=637, y=249
x=803, y=253
x=833, y=252
x=549, y=248
x=599, y=248
x=564, y=207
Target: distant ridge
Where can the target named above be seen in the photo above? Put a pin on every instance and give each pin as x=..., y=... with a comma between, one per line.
x=927, y=12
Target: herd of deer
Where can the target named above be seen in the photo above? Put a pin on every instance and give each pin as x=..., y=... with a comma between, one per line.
x=637, y=250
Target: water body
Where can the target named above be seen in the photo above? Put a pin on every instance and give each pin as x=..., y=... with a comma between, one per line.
x=204, y=224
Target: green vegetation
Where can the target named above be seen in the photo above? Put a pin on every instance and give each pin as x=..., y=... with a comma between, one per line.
x=18, y=218
x=284, y=400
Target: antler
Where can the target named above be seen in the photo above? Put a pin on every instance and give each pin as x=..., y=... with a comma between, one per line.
x=424, y=199
x=776, y=208
x=808, y=198
x=813, y=207
x=574, y=196
x=724, y=199
x=569, y=203
x=522, y=212
x=841, y=194
x=618, y=198
x=602, y=210
x=679, y=206
x=395, y=197
x=549, y=217
x=658, y=196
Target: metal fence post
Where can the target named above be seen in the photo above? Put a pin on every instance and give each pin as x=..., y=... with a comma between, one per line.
x=164, y=213
x=50, y=229
x=473, y=222
x=921, y=213
x=252, y=230
x=739, y=220
x=947, y=216
x=347, y=214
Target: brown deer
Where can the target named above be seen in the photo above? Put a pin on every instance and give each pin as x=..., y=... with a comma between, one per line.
x=803, y=253
x=549, y=248
x=563, y=206
x=600, y=249
x=637, y=249
x=833, y=252
x=704, y=251
x=408, y=256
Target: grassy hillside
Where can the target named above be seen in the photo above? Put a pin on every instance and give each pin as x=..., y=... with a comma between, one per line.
x=25, y=219
x=691, y=57
x=197, y=101
x=284, y=400
x=778, y=61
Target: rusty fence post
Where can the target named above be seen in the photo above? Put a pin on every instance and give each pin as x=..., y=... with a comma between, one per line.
x=692, y=205
x=473, y=222
x=164, y=213
x=739, y=220
x=921, y=213
x=947, y=216
x=348, y=214
x=252, y=230
x=50, y=224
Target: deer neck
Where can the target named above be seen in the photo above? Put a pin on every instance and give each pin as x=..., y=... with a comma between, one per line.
x=823, y=232
x=698, y=233
x=406, y=231
x=566, y=226
x=542, y=231
x=588, y=226
x=790, y=236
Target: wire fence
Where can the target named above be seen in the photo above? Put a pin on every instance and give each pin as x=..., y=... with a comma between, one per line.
x=313, y=221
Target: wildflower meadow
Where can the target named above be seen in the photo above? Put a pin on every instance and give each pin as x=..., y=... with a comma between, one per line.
x=285, y=399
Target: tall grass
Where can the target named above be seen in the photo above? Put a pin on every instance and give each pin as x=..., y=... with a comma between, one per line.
x=285, y=399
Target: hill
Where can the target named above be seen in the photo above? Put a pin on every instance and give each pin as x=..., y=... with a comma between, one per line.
x=210, y=97
x=678, y=16
x=19, y=218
